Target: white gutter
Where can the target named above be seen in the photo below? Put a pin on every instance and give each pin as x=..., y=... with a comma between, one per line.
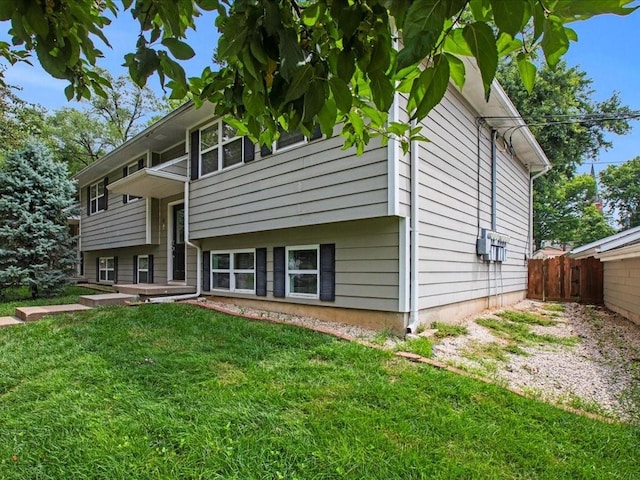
x=187, y=296
x=415, y=238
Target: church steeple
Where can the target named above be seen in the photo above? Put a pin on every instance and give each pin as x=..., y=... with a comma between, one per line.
x=597, y=201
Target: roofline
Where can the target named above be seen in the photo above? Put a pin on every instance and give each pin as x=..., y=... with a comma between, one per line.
x=168, y=117
x=608, y=243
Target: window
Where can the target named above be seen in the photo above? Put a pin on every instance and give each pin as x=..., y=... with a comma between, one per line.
x=302, y=276
x=128, y=170
x=234, y=271
x=290, y=139
x=97, y=198
x=220, y=148
x=143, y=269
x=106, y=269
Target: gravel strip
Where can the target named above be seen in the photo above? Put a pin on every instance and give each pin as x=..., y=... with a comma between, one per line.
x=596, y=375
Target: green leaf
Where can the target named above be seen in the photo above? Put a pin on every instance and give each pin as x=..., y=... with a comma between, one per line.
x=554, y=40
x=69, y=92
x=506, y=44
x=36, y=18
x=588, y=8
x=178, y=49
x=527, y=72
x=431, y=87
x=341, y=93
x=381, y=55
x=299, y=84
x=455, y=43
x=291, y=55
x=381, y=90
x=456, y=69
x=311, y=14
x=6, y=10
x=314, y=99
x=424, y=16
x=482, y=44
x=509, y=15
x=480, y=9
x=346, y=65
x=327, y=116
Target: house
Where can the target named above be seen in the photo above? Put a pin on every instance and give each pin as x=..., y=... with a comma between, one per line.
x=620, y=255
x=384, y=239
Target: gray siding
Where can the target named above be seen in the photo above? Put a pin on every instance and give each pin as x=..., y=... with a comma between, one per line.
x=312, y=184
x=174, y=152
x=455, y=202
x=125, y=263
x=367, y=265
x=121, y=225
x=622, y=287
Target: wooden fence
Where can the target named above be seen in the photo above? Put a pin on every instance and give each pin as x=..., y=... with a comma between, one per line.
x=563, y=279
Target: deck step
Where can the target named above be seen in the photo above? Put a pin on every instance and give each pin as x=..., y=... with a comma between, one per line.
x=106, y=299
x=30, y=314
x=8, y=321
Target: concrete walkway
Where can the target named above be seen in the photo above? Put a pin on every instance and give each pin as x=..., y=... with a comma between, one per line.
x=87, y=302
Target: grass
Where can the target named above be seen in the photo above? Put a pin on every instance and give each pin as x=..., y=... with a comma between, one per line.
x=174, y=391
x=520, y=332
x=481, y=351
x=444, y=330
x=21, y=297
x=553, y=307
x=422, y=346
x=526, y=318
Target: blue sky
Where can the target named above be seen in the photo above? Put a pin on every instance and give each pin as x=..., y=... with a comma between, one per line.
x=608, y=50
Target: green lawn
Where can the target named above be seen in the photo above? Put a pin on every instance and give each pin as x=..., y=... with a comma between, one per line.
x=21, y=297
x=177, y=392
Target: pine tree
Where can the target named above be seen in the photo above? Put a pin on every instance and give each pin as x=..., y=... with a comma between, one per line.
x=36, y=248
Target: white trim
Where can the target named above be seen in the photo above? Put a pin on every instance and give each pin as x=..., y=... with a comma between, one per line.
x=287, y=272
x=169, y=163
x=275, y=149
x=232, y=270
x=393, y=199
x=133, y=198
x=170, y=206
x=620, y=253
x=96, y=198
x=147, y=214
x=138, y=269
x=414, y=283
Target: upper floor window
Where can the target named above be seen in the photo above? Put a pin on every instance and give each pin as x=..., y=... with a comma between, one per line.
x=97, y=197
x=220, y=147
x=290, y=139
x=128, y=170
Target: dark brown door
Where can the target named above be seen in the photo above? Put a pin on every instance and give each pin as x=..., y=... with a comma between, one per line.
x=177, y=245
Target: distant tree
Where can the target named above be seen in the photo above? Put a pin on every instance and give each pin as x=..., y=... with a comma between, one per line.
x=621, y=191
x=35, y=246
x=20, y=121
x=569, y=216
x=570, y=127
x=81, y=136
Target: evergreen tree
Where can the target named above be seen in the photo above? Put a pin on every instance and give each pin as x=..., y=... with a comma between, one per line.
x=35, y=245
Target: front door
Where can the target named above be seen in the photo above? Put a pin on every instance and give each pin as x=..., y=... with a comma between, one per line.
x=177, y=243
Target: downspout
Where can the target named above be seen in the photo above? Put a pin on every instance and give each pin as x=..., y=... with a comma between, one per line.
x=494, y=181
x=546, y=168
x=414, y=238
x=198, y=257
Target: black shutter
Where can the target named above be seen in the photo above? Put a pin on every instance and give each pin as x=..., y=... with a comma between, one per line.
x=125, y=172
x=278, y=272
x=328, y=272
x=89, y=201
x=316, y=134
x=141, y=164
x=97, y=269
x=150, y=267
x=106, y=193
x=261, y=272
x=206, y=271
x=115, y=269
x=265, y=151
x=249, y=150
x=194, y=154
x=135, y=269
